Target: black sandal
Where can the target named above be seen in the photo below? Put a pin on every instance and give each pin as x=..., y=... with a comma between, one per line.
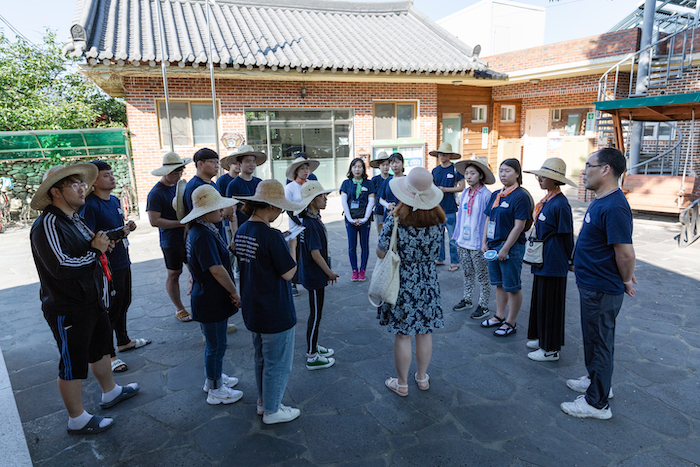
x=510, y=329
x=487, y=323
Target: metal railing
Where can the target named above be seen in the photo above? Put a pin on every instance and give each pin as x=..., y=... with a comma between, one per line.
x=674, y=141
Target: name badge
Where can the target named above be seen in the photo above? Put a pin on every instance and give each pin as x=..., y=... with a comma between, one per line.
x=491, y=230
x=355, y=205
x=542, y=217
x=125, y=242
x=504, y=205
x=466, y=233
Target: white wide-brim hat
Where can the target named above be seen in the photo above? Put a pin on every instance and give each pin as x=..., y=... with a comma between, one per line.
x=381, y=157
x=445, y=148
x=85, y=172
x=298, y=162
x=206, y=199
x=178, y=202
x=489, y=178
x=309, y=191
x=272, y=192
x=417, y=189
x=243, y=150
x=171, y=161
x=554, y=168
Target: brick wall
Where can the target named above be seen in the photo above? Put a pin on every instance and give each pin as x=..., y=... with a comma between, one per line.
x=587, y=48
x=235, y=96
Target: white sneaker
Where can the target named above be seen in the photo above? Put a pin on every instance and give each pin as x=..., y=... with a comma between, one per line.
x=581, y=385
x=223, y=395
x=283, y=415
x=534, y=345
x=540, y=355
x=580, y=408
x=226, y=380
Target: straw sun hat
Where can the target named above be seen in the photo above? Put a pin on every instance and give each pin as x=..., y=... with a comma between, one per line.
x=298, y=162
x=243, y=150
x=417, y=189
x=554, y=168
x=445, y=148
x=272, y=192
x=489, y=178
x=85, y=172
x=309, y=191
x=381, y=157
x=171, y=161
x=206, y=199
x=179, y=199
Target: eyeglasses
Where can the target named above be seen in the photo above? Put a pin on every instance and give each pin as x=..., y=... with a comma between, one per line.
x=213, y=161
x=588, y=166
x=76, y=185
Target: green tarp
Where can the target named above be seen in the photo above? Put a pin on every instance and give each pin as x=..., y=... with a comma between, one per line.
x=92, y=142
x=655, y=101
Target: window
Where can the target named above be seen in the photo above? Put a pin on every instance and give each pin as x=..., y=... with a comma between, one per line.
x=508, y=113
x=479, y=113
x=192, y=123
x=393, y=120
x=664, y=131
x=568, y=122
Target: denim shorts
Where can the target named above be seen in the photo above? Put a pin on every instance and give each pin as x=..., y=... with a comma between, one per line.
x=507, y=273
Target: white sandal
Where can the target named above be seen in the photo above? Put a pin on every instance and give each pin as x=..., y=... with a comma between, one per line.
x=422, y=381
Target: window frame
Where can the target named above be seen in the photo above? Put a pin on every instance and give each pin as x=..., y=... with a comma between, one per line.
x=478, y=107
x=161, y=135
x=394, y=132
x=510, y=107
x=655, y=132
x=584, y=108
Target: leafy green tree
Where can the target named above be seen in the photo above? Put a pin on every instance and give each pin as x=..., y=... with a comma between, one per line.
x=39, y=89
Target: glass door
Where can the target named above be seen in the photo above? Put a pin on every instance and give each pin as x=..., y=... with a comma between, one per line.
x=452, y=131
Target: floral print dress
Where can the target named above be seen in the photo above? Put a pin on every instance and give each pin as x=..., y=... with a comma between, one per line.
x=418, y=309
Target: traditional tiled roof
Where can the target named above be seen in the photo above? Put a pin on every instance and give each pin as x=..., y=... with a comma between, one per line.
x=272, y=34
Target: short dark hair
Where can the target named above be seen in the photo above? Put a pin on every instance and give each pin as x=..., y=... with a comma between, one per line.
x=204, y=154
x=397, y=156
x=101, y=165
x=353, y=162
x=249, y=207
x=614, y=158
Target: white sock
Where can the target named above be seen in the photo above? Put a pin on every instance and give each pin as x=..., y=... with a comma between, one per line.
x=311, y=358
x=80, y=421
x=111, y=395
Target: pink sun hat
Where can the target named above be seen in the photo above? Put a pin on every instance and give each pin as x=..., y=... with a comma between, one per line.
x=417, y=189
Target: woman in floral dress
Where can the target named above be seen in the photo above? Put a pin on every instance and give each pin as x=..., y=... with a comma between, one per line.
x=418, y=309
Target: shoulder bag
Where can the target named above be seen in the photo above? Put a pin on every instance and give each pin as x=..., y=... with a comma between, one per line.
x=384, y=283
x=534, y=252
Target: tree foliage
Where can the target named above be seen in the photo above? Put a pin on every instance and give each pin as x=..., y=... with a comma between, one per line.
x=40, y=89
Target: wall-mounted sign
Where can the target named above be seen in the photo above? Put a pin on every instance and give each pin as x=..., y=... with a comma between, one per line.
x=484, y=137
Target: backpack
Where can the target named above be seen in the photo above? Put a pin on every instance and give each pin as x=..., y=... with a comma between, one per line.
x=529, y=221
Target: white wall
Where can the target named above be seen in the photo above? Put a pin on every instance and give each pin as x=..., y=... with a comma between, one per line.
x=499, y=26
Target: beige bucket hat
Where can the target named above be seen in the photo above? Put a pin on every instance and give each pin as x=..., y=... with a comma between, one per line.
x=243, y=150
x=272, y=192
x=309, y=191
x=554, y=168
x=417, y=189
x=298, y=162
x=489, y=178
x=171, y=161
x=206, y=199
x=178, y=202
x=446, y=148
x=85, y=172
x=381, y=157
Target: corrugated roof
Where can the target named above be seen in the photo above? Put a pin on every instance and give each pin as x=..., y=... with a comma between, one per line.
x=298, y=34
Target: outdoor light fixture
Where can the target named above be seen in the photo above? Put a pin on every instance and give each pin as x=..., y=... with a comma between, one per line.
x=303, y=92
x=104, y=76
x=535, y=80
x=456, y=83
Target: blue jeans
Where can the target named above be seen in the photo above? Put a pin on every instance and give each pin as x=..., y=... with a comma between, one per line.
x=214, y=350
x=450, y=223
x=363, y=231
x=273, y=365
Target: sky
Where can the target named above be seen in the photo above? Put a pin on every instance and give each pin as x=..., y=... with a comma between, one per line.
x=565, y=19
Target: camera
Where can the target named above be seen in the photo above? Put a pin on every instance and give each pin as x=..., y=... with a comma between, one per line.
x=115, y=234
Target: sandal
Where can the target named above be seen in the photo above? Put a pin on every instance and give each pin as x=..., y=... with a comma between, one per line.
x=507, y=331
x=423, y=381
x=138, y=343
x=395, y=389
x=183, y=315
x=493, y=321
x=119, y=366
x=439, y=263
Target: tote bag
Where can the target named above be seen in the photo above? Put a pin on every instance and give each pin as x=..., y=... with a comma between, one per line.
x=384, y=283
x=534, y=252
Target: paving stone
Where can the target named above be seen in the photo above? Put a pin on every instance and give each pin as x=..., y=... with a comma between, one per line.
x=38, y=374
x=682, y=395
x=217, y=437
x=175, y=456
x=686, y=449
x=82, y=454
x=46, y=393
x=641, y=407
x=446, y=430
x=397, y=415
x=18, y=357
x=481, y=379
x=343, y=393
x=334, y=437
x=656, y=457
x=260, y=449
x=659, y=348
x=450, y=452
x=657, y=372
x=691, y=337
x=550, y=446
x=182, y=410
x=187, y=374
x=494, y=421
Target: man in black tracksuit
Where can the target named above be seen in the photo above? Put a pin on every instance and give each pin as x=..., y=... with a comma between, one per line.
x=73, y=274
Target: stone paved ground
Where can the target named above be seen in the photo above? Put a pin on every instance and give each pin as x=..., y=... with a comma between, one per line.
x=487, y=404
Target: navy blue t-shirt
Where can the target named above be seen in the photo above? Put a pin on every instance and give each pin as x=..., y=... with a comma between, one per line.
x=313, y=237
x=387, y=195
x=211, y=302
x=447, y=177
x=514, y=206
x=240, y=187
x=607, y=222
x=100, y=214
x=377, y=180
x=357, y=204
x=556, y=226
x=310, y=177
x=194, y=183
x=263, y=256
x=160, y=199
x=222, y=183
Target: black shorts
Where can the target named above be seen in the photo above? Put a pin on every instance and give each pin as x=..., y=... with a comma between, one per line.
x=82, y=338
x=175, y=257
